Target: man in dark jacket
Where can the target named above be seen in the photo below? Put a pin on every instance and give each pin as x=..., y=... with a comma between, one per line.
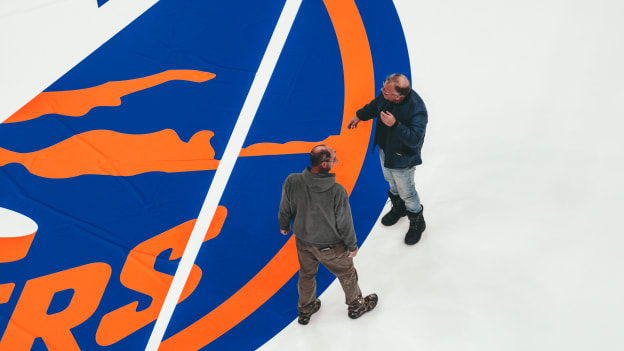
x=400, y=133
x=319, y=210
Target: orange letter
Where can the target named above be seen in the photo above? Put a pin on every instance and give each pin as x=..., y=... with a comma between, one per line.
x=31, y=320
x=5, y=292
x=139, y=274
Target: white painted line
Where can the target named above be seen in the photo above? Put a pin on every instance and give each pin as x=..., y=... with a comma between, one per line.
x=232, y=150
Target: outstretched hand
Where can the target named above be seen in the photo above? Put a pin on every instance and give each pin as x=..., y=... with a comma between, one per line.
x=353, y=122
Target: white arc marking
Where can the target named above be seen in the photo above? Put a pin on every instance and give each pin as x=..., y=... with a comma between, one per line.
x=232, y=150
x=14, y=224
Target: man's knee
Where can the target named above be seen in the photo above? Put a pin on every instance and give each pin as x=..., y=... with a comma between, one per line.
x=347, y=273
x=307, y=274
x=409, y=197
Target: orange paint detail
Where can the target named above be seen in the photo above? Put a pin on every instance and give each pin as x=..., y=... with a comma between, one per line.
x=15, y=248
x=5, y=292
x=110, y=153
x=350, y=160
x=88, y=283
x=139, y=275
x=77, y=103
x=351, y=146
x=238, y=307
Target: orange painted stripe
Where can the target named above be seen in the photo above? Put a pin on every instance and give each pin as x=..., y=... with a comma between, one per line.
x=106, y=152
x=239, y=306
x=111, y=153
x=77, y=103
x=352, y=146
x=347, y=170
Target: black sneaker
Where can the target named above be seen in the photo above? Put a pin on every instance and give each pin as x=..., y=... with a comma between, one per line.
x=304, y=318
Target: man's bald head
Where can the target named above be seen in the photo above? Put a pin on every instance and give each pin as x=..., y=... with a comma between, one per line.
x=320, y=153
x=400, y=82
x=322, y=158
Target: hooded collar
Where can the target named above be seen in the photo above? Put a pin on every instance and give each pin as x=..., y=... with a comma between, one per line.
x=318, y=182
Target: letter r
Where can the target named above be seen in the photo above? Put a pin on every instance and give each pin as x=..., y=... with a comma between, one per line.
x=31, y=320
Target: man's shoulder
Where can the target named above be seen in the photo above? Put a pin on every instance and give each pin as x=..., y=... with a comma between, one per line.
x=339, y=188
x=294, y=178
x=415, y=106
x=377, y=100
x=415, y=98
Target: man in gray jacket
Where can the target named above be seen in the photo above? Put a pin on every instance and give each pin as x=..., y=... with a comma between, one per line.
x=319, y=210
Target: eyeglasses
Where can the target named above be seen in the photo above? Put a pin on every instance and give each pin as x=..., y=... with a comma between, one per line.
x=334, y=160
x=386, y=93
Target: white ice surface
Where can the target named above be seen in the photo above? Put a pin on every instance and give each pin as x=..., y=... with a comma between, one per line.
x=522, y=187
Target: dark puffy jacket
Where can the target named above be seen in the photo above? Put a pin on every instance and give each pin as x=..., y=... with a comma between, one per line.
x=401, y=143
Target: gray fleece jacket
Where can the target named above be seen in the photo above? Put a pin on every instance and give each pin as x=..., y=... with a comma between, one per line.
x=319, y=209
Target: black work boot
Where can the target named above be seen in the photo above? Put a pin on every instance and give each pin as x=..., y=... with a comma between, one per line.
x=416, y=228
x=397, y=211
x=362, y=305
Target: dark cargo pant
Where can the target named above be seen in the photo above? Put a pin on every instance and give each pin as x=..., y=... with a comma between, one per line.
x=336, y=261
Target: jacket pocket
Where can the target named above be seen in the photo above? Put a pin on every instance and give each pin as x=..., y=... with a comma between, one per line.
x=407, y=151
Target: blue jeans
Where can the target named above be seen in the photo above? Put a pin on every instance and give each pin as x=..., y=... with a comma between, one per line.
x=401, y=183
